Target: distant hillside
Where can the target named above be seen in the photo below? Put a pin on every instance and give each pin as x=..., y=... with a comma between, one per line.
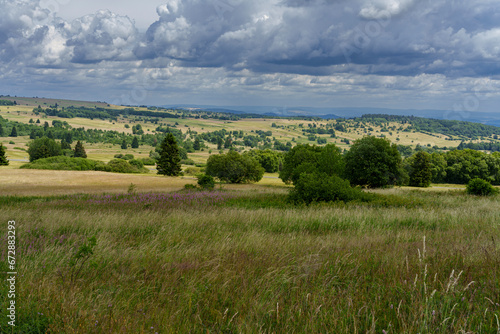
x=47, y=102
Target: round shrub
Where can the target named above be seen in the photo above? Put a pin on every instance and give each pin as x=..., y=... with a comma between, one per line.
x=320, y=187
x=480, y=187
x=234, y=168
x=206, y=182
x=137, y=163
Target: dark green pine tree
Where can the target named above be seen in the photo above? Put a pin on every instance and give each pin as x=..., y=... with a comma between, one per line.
x=169, y=162
x=135, y=143
x=3, y=158
x=124, y=144
x=80, y=150
x=197, y=144
x=2, y=132
x=13, y=132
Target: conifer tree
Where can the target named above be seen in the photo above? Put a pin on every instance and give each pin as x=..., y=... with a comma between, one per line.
x=124, y=144
x=135, y=143
x=3, y=158
x=79, y=150
x=169, y=162
x=2, y=132
x=14, y=132
x=197, y=144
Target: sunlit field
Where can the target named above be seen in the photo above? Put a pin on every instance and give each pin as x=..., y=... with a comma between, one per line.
x=243, y=260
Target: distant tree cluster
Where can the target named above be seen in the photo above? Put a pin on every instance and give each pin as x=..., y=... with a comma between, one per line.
x=446, y=127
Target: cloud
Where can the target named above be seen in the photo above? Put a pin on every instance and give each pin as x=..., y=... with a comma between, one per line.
x=101, y=36
x=279, y=46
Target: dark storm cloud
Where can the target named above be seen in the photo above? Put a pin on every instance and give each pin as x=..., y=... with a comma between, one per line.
x=431, y=47
x=399, y=37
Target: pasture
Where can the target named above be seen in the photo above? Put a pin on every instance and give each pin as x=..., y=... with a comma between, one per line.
x=243, y=260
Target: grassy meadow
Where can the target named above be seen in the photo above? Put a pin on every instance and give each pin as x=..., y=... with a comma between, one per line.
x=242, y=260
x=104, y=252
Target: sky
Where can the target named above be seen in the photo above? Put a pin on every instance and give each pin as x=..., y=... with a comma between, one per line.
x=405, y=54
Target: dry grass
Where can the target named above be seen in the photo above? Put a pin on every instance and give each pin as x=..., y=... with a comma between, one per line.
x=29, y=182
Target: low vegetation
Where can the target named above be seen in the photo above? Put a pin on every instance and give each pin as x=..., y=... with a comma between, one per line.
x=241, y=262
x=83, y=164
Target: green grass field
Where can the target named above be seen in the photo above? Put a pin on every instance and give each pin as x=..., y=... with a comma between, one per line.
x=245, y=261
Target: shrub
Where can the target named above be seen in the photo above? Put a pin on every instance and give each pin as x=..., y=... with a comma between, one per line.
x=187, y=162
x=148, y=161
x=137, y=163
x=192, y=171
x=234, y=168
x=63, y=163
x=480, y=187
x=206, y=181
x=120, y=166
x=320, y=187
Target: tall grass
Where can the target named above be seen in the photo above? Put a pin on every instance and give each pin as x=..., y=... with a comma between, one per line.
x=231, y=266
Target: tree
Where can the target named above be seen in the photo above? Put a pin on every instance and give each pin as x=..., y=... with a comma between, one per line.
x=2, y=132
x=373, y=162
x=197, y=144
x=13, y=132
x=80, y=150
x=228, y=143
x=420, y=170
x=135, y=143
x=310, y=159
x=169, y=162
x=268, y=159
x=3, y=158
x=234, y=168
x=124, y=145
x=43, y=148
x=64, y=144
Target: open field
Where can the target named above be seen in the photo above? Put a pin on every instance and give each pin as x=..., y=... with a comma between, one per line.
x=32, y=182
x=245, y=261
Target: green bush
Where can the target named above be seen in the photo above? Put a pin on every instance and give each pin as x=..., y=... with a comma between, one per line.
x=137, y=163
x=187, y=162
x=234, y=168
x=63, y=163
x=321, y=187
x=206, y=181
x=192, y=171
x=120, y=166
x=148, y=161
x=480, y=187
x=43, y=148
